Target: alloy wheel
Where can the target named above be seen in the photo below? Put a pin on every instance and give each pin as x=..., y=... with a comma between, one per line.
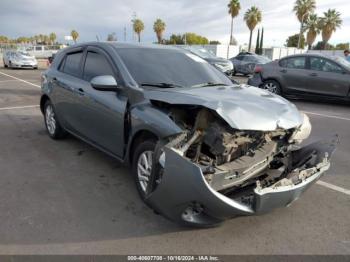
x=271, y=87
x=144, y=168
x=50, y=119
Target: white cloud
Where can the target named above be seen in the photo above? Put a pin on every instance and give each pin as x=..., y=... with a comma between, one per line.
x=209, y=18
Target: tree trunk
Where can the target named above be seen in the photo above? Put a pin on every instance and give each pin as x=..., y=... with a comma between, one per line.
x=250, y=40
x=300, y=34
x=228, y=47
x=139, y=37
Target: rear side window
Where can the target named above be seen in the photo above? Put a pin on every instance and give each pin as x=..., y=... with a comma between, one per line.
x=294, y=62
x=322, y=64
x=96, y=65
x=72, y=64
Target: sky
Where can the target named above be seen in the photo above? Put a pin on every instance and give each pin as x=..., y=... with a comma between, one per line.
x=205, y=17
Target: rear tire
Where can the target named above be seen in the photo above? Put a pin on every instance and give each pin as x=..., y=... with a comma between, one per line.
x=53, y=127
x=272, y=86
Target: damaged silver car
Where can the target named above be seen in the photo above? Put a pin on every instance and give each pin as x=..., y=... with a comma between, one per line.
x=201, y=149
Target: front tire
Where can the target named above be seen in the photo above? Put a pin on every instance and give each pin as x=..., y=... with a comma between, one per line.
x=52, y=125
x=142, y=163
x=272, y=86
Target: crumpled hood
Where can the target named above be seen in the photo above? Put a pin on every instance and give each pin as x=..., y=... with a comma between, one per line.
x=242, y=107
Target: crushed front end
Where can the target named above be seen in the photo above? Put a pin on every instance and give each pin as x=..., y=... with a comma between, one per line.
x=212, y=172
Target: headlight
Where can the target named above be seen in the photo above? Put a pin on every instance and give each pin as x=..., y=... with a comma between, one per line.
x=303, y=131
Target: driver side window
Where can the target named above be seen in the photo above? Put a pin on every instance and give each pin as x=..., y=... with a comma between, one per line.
x=96, y=65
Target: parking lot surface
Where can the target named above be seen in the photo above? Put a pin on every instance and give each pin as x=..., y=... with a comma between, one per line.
x=65, y=197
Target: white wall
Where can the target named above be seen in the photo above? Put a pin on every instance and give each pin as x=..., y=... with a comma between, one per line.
x=278, y=52
x=221, y=50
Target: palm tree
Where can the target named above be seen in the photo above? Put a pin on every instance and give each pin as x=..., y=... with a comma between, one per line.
x=313, y=29
x=138, y=28
x=52, y=37
x=75, y=35
x=252, y=17
x=159, y=28
x=329, y=24
x=233, y=9
x=302, y=9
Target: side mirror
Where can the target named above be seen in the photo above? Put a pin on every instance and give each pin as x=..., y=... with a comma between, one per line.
x=104, y=83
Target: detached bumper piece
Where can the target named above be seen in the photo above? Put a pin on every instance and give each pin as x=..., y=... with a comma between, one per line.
x=185, y=196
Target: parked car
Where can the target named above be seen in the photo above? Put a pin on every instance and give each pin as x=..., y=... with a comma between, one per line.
x=201, y=149
x=306, y=75
x=43, y=51
x=244, y=63
x=224, y=65
x=19, y=59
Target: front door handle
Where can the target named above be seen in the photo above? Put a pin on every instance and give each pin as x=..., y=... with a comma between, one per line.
x=313, y=74
x=80, y=91
x=283, y=71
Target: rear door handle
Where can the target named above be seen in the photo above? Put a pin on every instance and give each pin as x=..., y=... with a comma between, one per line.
x=313, y=74
x=283, y=71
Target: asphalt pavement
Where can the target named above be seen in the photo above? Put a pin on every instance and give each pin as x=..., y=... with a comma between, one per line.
x=65, y=197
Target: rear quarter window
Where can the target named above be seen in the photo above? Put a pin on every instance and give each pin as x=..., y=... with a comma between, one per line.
x=71, y=65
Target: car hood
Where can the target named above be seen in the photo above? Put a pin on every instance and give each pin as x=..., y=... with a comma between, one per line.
x=242, y=107
x=216, y=60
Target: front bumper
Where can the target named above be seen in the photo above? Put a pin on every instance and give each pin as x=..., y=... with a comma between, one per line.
x=184, y=195
x=24, y=65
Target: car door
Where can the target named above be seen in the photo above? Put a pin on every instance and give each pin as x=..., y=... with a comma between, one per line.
x=327, y=78
x=66, y=82
x=292, y=74
x=101, y=113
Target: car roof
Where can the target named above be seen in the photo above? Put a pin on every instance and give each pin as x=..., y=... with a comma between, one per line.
x=308, y=54
x=120, y=45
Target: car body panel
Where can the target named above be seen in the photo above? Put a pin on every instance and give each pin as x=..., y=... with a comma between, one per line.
x=236, y=104
x=181, y=174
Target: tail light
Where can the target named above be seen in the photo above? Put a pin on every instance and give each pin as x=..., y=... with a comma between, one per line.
x=258, y=69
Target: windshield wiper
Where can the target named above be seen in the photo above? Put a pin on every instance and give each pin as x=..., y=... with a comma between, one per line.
x=162, y=85
x=209, y=84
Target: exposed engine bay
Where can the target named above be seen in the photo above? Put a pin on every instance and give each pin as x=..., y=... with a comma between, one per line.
x=233, y=159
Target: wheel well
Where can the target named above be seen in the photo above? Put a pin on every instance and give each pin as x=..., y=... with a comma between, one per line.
x=139, y=137
x=273, y=79
x=43, y=100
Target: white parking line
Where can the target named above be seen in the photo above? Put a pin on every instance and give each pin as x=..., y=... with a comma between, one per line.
x=329, y=116
x=10, y=80
x=334, y=187
x=17, y=107
x=19, y=79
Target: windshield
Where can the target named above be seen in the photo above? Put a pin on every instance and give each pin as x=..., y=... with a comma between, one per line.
x=170, y=67
x=262, y=59
x=342, y=61
x=202, y=52
x=23, y=53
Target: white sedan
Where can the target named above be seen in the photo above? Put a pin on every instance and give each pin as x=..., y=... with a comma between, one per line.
x=19, y=59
